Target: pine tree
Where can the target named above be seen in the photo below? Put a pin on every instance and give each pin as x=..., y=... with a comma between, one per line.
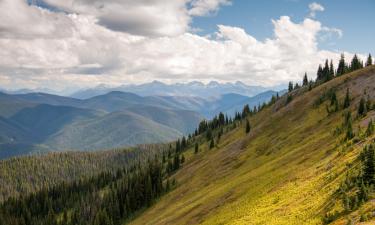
x=331, y=71
x=333, y=98
x=369, y=165
x=349, y=130
x=341, y=67
x=347, y=99
x=183, y=143
x=196, y=148
x=326, y=71
x=370, y=128
x=245, y=111
x=356, y=63
x=362, y=107
x=247, y=126
x=369, y=60
x=212, y=143
x=176, y=162
x=305, y=80
x=182, y=159
x=178, y=146
x=363, y=192
x=319, y=75
x=290, y=86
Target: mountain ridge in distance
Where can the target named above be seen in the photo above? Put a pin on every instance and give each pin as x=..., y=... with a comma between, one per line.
x=193, y=88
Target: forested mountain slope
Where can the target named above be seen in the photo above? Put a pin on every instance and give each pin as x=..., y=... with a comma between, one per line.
x=28, y=174
x=287, y=170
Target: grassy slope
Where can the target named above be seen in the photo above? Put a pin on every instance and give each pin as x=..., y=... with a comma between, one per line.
x=284, y=172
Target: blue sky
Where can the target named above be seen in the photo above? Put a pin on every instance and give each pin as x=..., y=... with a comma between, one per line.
x=355, y=18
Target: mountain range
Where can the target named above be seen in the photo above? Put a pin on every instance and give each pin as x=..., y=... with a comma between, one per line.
x=39, y=122
x=195, y=88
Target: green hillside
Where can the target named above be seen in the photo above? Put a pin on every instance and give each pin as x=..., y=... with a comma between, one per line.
x=286, y=171
x=116, y=129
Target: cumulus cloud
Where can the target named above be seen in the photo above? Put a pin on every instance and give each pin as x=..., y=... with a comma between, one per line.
x=205, y=7
x=75, y=48
x=142, y=17
x=315, y=7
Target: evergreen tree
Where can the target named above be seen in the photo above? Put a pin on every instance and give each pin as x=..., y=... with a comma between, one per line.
x=369, y=165
x=305, y=80
x=356, y=63
x=362, y=107
x=320, y=74
x=247, y=126
x=326, y=76
x=182, y=159
x=349, y=130
x=341, y=69
x=333, y=98
x=296, y=86
x=176, y=162
x=209, y=134
x=212, y=143
x=196, y=148
x=347, y=99
x=221, y=119
x=369, y=60
x=183, y=143
x=178, y=146
x=245, y=111
x=370, y=128
x=290, y=86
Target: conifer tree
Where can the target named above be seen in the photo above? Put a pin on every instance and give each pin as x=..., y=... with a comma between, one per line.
x=349, y=130
x=183, y=143
x=356, y=63
x=369, y=165
x=347, y=99
x=212, y=143
x=362, y=107
x=369, y=60
x=247, y=126
x=319, y=75
x=333, y=98
x=305, y=80
x=370, y=128
x=176, y=162
x=342, y=66
x=182, y=159
x=326, y=71
x=245, y=111
x=196, y=148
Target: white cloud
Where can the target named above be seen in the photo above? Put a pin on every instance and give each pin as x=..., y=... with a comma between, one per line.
x=315, y=7
x=142, y=17
x=205, y=7
x=85, y=52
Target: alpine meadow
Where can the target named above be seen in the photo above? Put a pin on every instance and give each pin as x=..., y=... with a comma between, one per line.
x=156, y=113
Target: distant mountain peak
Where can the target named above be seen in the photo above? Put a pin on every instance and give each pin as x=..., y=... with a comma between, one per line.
x=213, y=84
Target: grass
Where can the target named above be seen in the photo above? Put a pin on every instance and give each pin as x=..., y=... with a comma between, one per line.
x=284, y=172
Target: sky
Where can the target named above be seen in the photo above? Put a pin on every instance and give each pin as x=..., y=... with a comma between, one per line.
x=72, y=44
